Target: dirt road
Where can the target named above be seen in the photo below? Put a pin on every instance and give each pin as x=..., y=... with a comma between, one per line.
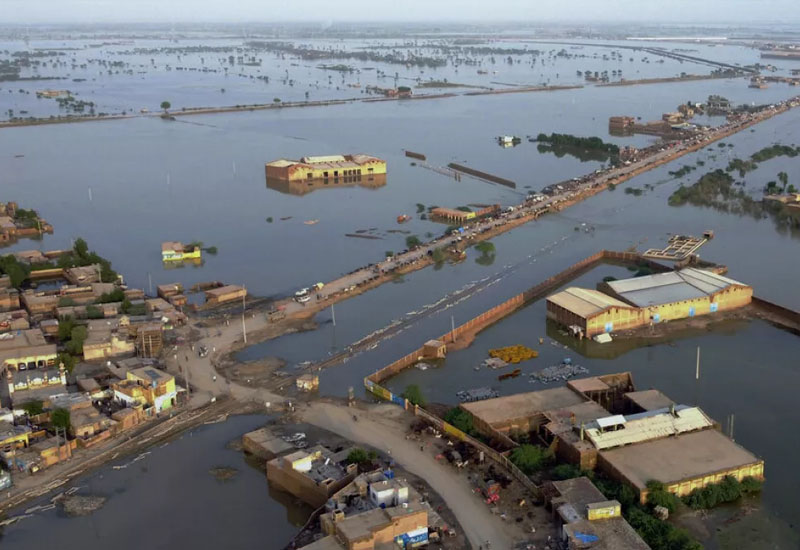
x=379, y=428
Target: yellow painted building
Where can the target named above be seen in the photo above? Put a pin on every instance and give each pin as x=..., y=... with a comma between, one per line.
x=147, y=386
x=173, y=251
x=332, y=168
x=680, y=294
x=592, y=311
x=13, y=437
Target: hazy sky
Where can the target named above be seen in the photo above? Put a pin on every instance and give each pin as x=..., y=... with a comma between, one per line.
x=701, y=11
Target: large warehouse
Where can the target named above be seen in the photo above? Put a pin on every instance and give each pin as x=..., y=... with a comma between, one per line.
x=592, y=311
x=680, y=294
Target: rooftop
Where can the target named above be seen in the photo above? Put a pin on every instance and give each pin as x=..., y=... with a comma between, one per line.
x=673, y=459
x=673, y=286
x=649, y=399
x=223, y=290
x=522, y=405
x=151, y=375
x=325, y=543
x=22, y=339
x=574, y=497
x=646, y=426
x=585, y=302
x=362, y=525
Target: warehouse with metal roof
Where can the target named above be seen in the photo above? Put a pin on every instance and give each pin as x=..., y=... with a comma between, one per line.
x=590, y=312
x=680, y=294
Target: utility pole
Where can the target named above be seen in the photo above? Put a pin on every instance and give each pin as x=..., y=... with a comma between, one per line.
x=453, y=328
x=150, y=283
x=697, y=378
x=333, y=315
x=244, y=329
x=697, y=368
x=731, y=427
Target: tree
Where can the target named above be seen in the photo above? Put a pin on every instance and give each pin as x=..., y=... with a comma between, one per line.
x=68, y=361
x=16, y=271
x=59, y=418
x=166, y=105
x=65, y=326
x=94, y=312
x=657, y=495
x=357, y=456
x=412, y=241
x=531, y=458
x=77, y=338
x=33, y=408
x=461, y=419
x=414, y=394
x=80, y=248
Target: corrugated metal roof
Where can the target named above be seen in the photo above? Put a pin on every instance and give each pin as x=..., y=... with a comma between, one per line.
x=607, y=421
x=648, y=426
x=674, y=286
x=585, y=302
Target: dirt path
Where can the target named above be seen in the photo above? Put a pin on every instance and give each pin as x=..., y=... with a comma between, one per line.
x=380, y=428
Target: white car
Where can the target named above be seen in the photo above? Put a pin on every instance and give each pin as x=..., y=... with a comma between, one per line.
x=303, y=299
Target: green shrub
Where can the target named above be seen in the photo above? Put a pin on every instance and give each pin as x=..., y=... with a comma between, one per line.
x=461, y=419
x=357, y=456
x=657, y=495
x=531, y=458
x=94, y=312
x=414, y=394
x=32, y=408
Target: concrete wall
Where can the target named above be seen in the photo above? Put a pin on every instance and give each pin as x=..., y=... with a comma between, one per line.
x=302, y=486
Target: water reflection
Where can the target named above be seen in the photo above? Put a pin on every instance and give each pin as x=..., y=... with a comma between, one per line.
x=300, y=188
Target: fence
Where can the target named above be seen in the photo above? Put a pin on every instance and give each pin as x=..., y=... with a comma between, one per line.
x=782, y=315
x=499, y=311
x=503, y=461
x=499, y=458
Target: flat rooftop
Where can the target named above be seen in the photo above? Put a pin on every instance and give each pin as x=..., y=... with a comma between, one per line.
x=649, y=400
x=325, y=543
x=522, y=405
x=364, y=524
x=223, y=290
x=613, y=533
x=22, y=339
x=673, y=286
x=585, y=302
x=673, y=459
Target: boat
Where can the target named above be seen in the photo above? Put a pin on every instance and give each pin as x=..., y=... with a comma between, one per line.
x=512, y=374
x=403, y=218
x=311, y=222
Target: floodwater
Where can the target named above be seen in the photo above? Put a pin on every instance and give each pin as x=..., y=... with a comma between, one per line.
x=126, y=186
x=170, y=499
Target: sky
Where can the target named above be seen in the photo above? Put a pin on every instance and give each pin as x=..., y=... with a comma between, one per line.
x=335, y=11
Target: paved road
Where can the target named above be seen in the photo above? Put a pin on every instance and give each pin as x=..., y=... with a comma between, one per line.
x=377, y=429
x=600, y=179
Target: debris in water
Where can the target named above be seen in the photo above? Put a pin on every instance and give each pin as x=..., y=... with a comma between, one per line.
x=78, y=505
x=477, y=394
x=555, y=373
x=223, y=473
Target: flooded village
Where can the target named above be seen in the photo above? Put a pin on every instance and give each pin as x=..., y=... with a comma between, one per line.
x=386, y=287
